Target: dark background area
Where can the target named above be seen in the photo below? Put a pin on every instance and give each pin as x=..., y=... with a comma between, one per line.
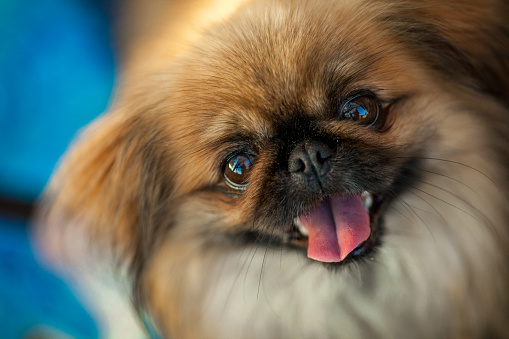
x=57, y=70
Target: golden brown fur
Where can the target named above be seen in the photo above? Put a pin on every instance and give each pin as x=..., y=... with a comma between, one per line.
x=143, y=185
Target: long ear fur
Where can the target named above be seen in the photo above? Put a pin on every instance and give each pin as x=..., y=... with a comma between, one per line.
x=108, y=190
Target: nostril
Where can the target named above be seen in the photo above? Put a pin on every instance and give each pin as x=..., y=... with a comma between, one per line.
x=310, y=158
x=297, y=164
x=322, y=153
x=298, y=161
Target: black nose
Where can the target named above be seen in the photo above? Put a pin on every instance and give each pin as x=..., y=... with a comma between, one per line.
x=310, y=159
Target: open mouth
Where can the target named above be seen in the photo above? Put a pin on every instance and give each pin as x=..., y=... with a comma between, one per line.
x=340, y=228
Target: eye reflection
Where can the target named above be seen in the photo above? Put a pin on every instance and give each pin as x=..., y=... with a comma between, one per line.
x=363, y=110
x=237, y=170
x=355, y=112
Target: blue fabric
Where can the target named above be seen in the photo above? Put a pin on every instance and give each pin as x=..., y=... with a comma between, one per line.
x=31, y=297
x=56, y=75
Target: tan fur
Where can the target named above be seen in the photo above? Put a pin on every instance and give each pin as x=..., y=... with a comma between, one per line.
x=137, y=188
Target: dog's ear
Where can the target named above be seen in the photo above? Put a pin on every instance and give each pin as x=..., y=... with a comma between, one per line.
x=459, y=38
x=109, y=190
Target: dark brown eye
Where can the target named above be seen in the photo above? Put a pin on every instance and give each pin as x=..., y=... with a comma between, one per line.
x=237, y=169
x=361, y=109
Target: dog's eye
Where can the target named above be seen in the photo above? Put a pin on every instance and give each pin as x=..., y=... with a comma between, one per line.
x=236, y=170
x=362, y=109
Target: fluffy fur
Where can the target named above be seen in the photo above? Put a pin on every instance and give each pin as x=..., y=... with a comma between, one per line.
x=142, y=191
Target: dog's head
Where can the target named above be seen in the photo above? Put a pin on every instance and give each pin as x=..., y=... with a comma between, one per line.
x=343, y=135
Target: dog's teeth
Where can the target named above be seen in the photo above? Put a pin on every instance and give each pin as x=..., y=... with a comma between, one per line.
x=300, y=227
x=367, y=198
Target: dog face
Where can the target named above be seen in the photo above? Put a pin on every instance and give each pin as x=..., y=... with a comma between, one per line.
x=309, y=170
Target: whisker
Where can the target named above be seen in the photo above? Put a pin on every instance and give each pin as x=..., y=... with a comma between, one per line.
x=399, y=212
x=430, y=205
x=418, y=216
x=249, y=265
x=478, y=214
x=456, y=196
x=451, y=178
x=261, y=273
x=411, y=211
x=445, y=202
x=270, y=236
x=453, y=162
x=393, y=194
x=237, y=276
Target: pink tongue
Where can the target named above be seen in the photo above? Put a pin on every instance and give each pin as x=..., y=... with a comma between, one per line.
x=336, y=227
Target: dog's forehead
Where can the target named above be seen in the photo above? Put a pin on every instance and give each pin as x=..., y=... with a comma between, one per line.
x=257, y=71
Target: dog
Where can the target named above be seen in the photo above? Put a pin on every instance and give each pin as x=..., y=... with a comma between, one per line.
x=295, y=169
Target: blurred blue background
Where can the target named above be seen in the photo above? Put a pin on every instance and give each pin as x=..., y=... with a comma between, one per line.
x=56, y=74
